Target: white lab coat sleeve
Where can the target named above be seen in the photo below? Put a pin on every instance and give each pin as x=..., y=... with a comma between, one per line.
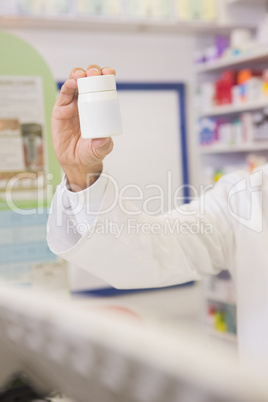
x=130, y=249
x=85, y=204
x=72, y=214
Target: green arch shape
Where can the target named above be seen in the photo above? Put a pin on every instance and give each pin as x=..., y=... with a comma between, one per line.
x=18, y=58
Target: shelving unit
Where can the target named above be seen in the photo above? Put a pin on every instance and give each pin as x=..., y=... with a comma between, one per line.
x=235, y=109
x=219, y=298
x=216, y=149
x=220, y=307
x=250, y=57
x=125, y=24
x=245, y=1
x=122, y=15
x=223, y=336
x=244, y=60
x=216, y=154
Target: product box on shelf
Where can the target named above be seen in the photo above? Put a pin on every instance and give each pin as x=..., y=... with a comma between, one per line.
x=43, y=7
x=260, y=124
x=148, y=8
x=196, y=10
x=98, y=7
x=220, y=303
x=232, y=130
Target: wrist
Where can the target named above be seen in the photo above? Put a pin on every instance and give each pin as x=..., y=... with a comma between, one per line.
x=78, y=179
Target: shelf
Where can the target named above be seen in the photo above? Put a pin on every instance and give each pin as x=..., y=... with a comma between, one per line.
x=214, y=297
x=112, y=23
x=220, y=149
x=232, y=109
x=245, y=1
x=239, y=60
x=223, y=335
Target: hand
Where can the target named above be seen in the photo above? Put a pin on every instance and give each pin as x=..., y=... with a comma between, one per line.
x=81, y=159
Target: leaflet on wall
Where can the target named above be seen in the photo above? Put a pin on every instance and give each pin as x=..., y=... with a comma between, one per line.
x=24, y=253
x=21, y=130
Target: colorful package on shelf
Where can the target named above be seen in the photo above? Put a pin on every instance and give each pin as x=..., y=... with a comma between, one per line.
x=221, y=285
x=199, y=57
x=203, y=10
x=255, y=161
x=182, y=8
x=219, y=321
x=260, y=125
x=207, y=95
x=223, y=87
x=226, y=134
x=44, y=7
x=222, y=317
x=98, y=7
x=207, y=128
x=208, y=10
x=159, y=8
x=214, y=174
x=247, y=126
x=223, y=131
x=240, y=40
x=222, y=43
x=113, y=7
x=250, y=85
x=195, y=9
x=235, y=88
x=217, y=175
x=265, y=131
x=215, y=51
x=210, y=54
x=148, y=8
x=265, y=83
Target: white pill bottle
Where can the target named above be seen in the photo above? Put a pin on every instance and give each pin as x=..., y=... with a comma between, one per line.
x=98, y=107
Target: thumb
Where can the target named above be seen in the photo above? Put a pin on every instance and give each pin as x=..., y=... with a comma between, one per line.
x=102, y=146
x=67, y=92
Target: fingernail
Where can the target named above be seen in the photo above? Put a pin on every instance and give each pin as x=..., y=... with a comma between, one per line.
x=79, y=72
x=93, y=71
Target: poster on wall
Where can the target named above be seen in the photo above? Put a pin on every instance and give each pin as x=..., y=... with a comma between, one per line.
x=21, y=131
x=25, y=258
x=29, y=171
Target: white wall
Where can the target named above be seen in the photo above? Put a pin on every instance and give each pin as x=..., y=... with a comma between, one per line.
x=135, y=56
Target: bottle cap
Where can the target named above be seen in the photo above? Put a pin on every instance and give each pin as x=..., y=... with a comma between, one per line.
x=97, y=83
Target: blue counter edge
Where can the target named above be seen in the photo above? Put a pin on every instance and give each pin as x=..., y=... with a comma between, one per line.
x=110, y=291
